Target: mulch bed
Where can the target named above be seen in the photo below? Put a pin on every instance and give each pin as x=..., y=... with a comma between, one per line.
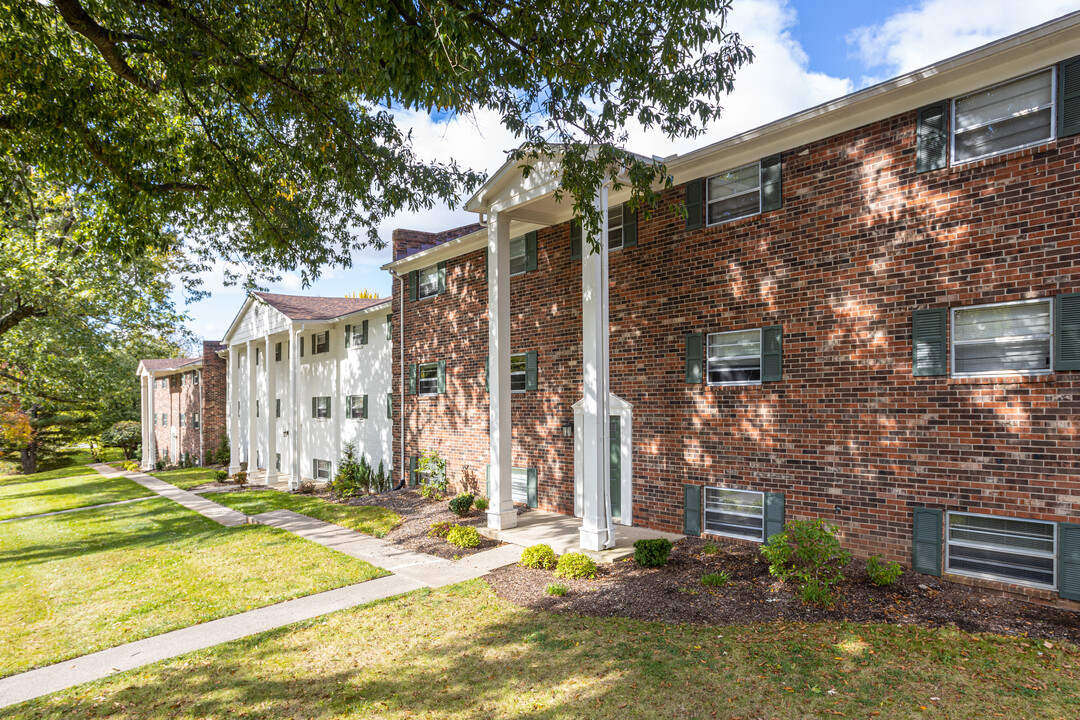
x=674, y=594
x=417, y=515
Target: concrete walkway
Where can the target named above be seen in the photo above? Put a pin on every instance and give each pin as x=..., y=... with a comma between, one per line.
x=78, y=509
x=207, y=508
x=561, y=532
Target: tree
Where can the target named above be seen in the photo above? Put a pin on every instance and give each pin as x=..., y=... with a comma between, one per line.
x=264, y=133
x=126, y=435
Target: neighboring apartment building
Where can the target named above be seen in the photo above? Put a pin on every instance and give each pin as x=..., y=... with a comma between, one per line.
x=183, y=407
x=305, y=376
x=869, y=313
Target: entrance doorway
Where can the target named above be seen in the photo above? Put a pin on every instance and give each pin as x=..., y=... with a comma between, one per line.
x=620, y=453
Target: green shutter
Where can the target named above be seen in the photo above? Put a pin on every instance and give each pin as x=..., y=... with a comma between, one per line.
x=313, y=344
x=389, y=406
x=694, y=357
x=695, y=205
x=390, y=326
x=929, y=342
x=772, y=350
x=926, y=541
x=629, y=226
x=774, y=514
x=414, y=284
x=530, y=251
x=363, y=410
x=487, y=374
x=363, y=333
x=691, y=510
x=772, y=195
x=314, y=410
x=441, y=269
x=1069, y=561
x=348, y=336
x=1068, y=105
x=487, y=477
x=575, y=239
x=531, y=482
x=329, y=409
x=932, y=137
x=1067, y=331
x=442, y=376
x=301, y=346
x=412, y=378
x=414, y=478
x=530, y=370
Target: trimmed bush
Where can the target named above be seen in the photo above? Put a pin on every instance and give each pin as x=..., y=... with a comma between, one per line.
x=808, y=552
x=540, y=557
x=240, y=477
x=717, y=579
x=557, y=589
x=441, y=529
x=464, y=536
x=221, y=475
x=462, y=504
x=481, y=503
x=575, y=565
x=883, y=573
x=653, y=552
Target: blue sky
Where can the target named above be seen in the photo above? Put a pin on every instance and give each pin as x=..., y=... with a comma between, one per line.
x=808, y=51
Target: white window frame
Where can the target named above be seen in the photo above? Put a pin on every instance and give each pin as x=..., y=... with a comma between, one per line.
x=316, y=469
x=181, y=419
x=420, y=379
x=1001, y=578
x=704, y=513
x=433, y=285
x=196, y=377
x=523, y=373
x=523, y=255
x=953, y=130
x=732, y=383
x=999, y=373
x=196, y=421
x=709, y=201
x=619, y=227
x=356, y=334
x=320, y=405
x=354, y=403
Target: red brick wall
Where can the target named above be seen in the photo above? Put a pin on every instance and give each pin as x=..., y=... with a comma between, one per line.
x=214, y=399
x=849, y=434
x=183, y=396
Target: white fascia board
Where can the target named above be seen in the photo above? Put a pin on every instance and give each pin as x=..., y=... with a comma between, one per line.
x=248, y=301
x=370, y=310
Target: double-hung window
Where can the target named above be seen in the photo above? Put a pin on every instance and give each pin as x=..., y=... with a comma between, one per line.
x=1007, y=549
x=733, y=194
x=518, y=373
x=518, y=257
x=615, y=227
x=428, y=383
x=196, y=421
x=320, y=469
x=734, y=358
x=196, y=377
x=164, y=419
x=1006, y=117
x=320, y=342
x=356, y=407
x=428, y=282
x=1003, y=339
x=181, y=419
x=320, y=407
x=735, y=513
x=277, y=352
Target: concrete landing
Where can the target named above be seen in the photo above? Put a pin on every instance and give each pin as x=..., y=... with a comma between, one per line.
x=561, y=533
x=218, y=513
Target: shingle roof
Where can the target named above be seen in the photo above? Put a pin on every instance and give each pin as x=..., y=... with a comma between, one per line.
x=308, y=307
x=165, y=364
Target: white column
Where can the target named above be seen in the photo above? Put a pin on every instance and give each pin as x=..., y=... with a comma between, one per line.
x=295, y=403
x=271, y=414
x=144, y=415
x=596, y=528
x=151, y=448
x=253, y=421
x=234, y=408
x=501, y=513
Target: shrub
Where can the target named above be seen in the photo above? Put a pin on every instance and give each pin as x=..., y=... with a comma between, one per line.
x=809, y=552
x=131, y=465
x=441, y=529
x=240, y=477
x=711, y=548
x=481, y=503
x=305, y=488
x=883, y=573
x=126, y=435
x=462, y=504
x=222, y=454
x=432, y=469
x=556, y=589
x=354, y=474
x=160, y=464
x=381, y=481
x=575, y=565
x=541, y=557
x=653, y=552
x=221, y=475
x=716, y=579
x=464, y=536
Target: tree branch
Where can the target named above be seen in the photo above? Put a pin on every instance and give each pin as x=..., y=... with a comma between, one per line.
x=18, y=314
x=104, y=40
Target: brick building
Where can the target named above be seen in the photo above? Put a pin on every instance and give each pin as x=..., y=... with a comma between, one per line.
x=183, y=407
x=866, y=312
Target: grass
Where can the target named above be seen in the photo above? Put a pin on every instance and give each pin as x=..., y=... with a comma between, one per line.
x=35, y=496
x=66, y=463
x=73, y=584
x=368, y=519
x=186, y=478
x=460, y=652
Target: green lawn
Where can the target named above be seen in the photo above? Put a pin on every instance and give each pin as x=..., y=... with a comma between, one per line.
x=185, y=478
x=36, y=496
x=67, y=463
x=462, y=653
x=72, y=584
x=369, y=519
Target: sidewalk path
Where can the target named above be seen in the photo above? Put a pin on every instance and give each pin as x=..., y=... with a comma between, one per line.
x=412, y=571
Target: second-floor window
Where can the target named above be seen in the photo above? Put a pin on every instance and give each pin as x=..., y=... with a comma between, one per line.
x=428, y=282
x=733, y=194
x=1009, y=116
x=1003, y=339
x=429, y=379
x=320, y=343
x=734, y=358
x=320, y=407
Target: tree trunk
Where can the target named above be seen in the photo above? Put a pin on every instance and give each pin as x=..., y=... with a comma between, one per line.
x=29, y=457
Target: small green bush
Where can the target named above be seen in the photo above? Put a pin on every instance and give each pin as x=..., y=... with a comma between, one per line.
x=481, y=503
x=441, y=529
x=717, y=579
x=540, y=557
x=221, y=475
x=221, y=455
x=883, y=573
x=575, y=565
x=464, y=536
x=131, y=466
x=808, y=552
x=653, y=552
x=462, y=504
x=557, y=589
x=711, y=548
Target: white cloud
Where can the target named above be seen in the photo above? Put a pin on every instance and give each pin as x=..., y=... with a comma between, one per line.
x=934, y=30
